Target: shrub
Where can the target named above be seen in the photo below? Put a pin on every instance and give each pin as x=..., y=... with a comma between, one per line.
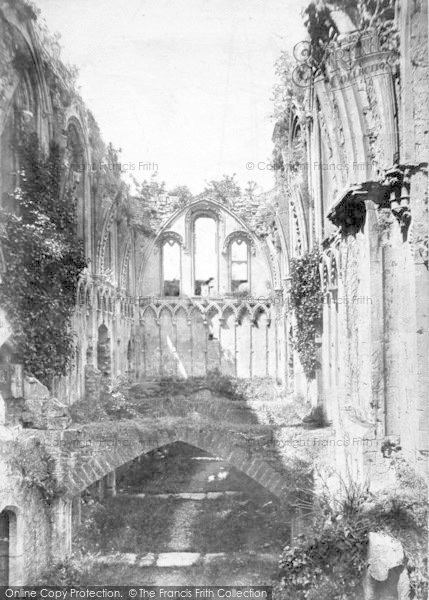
x=71, y=572
x=334, y=561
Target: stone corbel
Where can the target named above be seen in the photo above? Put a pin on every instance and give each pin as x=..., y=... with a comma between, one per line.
x=349, y=212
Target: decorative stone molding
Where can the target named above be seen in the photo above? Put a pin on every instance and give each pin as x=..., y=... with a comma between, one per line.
x=169, y=237
x=203, y=208
x=239, y=236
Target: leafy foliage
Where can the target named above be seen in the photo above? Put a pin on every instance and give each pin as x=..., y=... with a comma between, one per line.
x=73, y=571
x=36, y=467
x=306, y=300
x=225, y=191
x=329, y=559
x=183, y=194
x=329, y=566
x=44, y=258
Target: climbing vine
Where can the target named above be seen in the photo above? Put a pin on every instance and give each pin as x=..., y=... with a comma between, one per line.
x=44, y=258
x=306, y=300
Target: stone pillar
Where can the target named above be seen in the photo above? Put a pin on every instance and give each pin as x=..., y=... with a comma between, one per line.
x=61, y=519
x=76, y=511
x=101, y=487
x=111, y=484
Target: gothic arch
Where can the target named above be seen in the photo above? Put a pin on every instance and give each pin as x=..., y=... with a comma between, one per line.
x=127, y=263
x=102, y=243
x=218, y=443
x=198, y=208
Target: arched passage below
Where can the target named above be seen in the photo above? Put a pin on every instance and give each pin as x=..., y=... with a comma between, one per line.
x=105, y=457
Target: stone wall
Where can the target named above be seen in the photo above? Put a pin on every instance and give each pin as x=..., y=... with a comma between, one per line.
x=30, y=530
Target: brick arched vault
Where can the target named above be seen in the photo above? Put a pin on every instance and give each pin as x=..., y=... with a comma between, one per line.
x=88, y=463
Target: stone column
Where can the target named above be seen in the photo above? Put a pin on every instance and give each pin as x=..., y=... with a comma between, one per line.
x=61, y=519
x=101, y=485
x=76, y=511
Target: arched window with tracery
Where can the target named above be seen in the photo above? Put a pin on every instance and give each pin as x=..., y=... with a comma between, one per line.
x=76, y=167
x=108, y=256
x=239, y=262
x=206, y=261
x=171, y=266
x=23, y=114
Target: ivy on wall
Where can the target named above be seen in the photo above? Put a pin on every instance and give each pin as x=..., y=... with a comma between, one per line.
x=306, y=300
x=44, y=258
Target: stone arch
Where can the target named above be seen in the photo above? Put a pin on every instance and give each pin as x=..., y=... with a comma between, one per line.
x=151, y=350
x=243, y=342
x=213, y=318
x=76, y=179
x=168, y=341
x=260, y=340
x=104, y=358
x=227, y=334
x=198, y=341
x=204, y=207
x=108, y=228
x=126, y=276
x=218, y=443
x=183, y=340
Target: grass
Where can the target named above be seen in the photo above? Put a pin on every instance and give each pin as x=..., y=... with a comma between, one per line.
x=231, y=525
x=117, y=525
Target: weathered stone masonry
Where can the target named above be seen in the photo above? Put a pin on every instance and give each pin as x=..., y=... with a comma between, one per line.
x=369, y=219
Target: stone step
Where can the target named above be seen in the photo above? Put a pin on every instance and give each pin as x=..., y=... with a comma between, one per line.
x=183, y=495
x=178, y=559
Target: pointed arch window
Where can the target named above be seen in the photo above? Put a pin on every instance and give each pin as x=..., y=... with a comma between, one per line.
x=171, y=266
x=239, y=262
x=206, y=261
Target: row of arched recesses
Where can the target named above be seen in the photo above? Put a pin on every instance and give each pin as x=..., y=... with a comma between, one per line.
x=104, y=353
x=105, y=301
x=192, y=343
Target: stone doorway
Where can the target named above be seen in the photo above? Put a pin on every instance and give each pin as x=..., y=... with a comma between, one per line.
x=4, y=547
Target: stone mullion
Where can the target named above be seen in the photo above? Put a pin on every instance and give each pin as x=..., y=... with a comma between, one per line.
x=221, y=321
x=191, y=346
x=251, y=350
x=206, y=347
x=174, y=323
x=235, y=346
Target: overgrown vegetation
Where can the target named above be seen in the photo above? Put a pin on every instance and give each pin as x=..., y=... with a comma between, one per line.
x=125, y=400
x=306, y=301
x=328, y=561
x=70, y=572
x=36, y=466
x=44, y=258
